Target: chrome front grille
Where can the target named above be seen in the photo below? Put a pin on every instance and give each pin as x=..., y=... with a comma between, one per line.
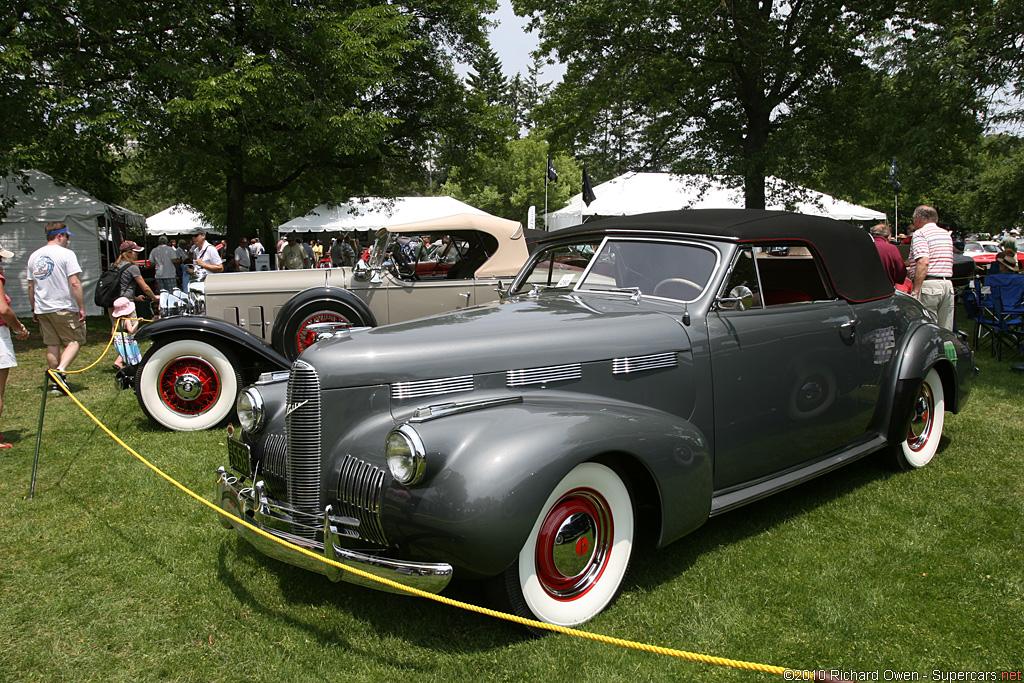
x=359, y=492
x=553, y=373
x=431, y=387
x=621, y=366
x=303, y=424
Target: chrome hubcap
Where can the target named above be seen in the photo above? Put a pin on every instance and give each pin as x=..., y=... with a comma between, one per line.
x=188, y=386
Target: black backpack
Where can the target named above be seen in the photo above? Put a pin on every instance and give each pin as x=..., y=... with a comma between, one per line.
x=108, y=289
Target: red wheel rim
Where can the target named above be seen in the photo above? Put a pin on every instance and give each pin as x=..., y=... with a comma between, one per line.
x=304, y=338
x=573, y=544
x=189, y=385
x=923, y=420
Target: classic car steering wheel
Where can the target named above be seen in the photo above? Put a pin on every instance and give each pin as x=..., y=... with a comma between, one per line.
x=670, y=287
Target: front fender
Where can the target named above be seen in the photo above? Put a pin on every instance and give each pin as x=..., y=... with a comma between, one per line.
x=218, y=332
x=491, y=471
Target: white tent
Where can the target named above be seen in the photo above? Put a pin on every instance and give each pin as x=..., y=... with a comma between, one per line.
x=371, y=213
x=180, y=219
x=633, y=193
x=23, y=231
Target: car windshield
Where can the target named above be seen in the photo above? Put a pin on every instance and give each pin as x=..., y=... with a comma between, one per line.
x=990, y=247
x=379, y=249
x=672, y=270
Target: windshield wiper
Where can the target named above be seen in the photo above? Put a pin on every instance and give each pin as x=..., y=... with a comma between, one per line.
x=633, y=291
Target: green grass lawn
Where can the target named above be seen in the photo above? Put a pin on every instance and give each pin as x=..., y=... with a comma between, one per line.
x=110, y=574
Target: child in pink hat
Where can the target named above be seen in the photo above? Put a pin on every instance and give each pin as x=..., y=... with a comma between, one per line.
x=124, y=342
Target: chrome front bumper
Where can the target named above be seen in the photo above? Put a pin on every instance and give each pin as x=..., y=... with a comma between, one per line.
x=252, y=505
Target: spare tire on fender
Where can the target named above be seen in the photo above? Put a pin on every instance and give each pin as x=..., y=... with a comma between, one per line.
x=291, y=333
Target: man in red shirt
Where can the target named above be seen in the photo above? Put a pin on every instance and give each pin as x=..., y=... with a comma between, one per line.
x=892, y=260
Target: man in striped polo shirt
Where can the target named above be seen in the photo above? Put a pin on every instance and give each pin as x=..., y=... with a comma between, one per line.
x=931, y=265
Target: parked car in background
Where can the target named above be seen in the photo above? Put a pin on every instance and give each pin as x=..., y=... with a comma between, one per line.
x=645, y=372
x=259, y=321
x=983, y=252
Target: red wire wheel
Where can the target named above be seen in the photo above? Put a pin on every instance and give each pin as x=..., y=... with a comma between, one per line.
x=189, y=385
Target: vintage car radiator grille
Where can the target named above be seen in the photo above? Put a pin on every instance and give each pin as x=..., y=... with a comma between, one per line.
x=554, y=373
x=303, y=425
x=621, y=366
x=359, y=492
x=431, y=387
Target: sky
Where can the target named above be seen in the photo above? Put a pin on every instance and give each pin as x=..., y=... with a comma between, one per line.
x=513, y=44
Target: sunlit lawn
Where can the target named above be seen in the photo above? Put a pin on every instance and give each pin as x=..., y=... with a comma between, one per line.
x=111, y=574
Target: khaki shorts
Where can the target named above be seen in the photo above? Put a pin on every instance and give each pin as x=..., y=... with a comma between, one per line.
x=61, y=328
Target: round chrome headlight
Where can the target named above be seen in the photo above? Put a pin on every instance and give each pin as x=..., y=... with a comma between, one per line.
x=251, y=413
x=406, y=455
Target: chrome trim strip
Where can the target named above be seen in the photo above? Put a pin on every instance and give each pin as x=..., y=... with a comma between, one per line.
x=431, y=387
x=553, y=373
x=427, y=413
x=430, y=577
x=654, y=361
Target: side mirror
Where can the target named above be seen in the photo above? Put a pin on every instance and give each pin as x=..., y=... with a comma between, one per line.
x=360, y=271
x=740, y=299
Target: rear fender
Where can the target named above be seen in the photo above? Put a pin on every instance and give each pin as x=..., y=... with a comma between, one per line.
x=490, y=472
x=929, y=347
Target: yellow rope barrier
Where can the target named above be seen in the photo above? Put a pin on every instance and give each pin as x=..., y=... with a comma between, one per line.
x=791, y=674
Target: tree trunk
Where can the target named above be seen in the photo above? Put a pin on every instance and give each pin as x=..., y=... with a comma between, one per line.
x=753, y=157
x=236, y=209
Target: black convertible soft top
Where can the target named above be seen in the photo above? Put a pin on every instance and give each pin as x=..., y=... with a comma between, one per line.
x=849, y=253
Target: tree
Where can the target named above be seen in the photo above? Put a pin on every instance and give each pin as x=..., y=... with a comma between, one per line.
x=508, y=184
x=729, y=86
x=229, y=99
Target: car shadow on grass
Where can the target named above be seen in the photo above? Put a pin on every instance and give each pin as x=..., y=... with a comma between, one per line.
x=652, y=567
x=425, y=623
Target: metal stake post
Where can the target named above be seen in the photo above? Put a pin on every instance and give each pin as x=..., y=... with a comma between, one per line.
x=39, y=434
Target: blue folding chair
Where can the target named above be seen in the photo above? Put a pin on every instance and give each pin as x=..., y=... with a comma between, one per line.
x=1006, y=293
x=978, y=307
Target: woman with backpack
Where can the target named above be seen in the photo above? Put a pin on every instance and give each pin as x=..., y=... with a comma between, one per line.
x=130, y=281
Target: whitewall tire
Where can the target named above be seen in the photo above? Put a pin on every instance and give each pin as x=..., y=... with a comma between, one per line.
x=187, y=385
x=577, y=554
x=927, y=419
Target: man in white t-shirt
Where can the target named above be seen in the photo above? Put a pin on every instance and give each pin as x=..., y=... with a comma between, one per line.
x=205, y=258
x=58, y=303
x=242, y=256
x=165, y=259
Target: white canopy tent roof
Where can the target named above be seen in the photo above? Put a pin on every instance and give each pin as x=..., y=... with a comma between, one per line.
x=180, y=219
x=23, y=231
x=372, y=213
x=633, y=193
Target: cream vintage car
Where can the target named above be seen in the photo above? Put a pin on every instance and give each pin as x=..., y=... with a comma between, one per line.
x=259, y=321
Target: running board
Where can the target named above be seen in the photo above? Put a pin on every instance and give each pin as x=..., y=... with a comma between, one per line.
x=734, y=498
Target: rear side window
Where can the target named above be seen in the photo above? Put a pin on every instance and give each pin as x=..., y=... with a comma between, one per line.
x=776, y=275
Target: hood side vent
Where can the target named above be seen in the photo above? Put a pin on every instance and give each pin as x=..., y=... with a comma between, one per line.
x=431, y=387
x=553, y=373
x=656, y=361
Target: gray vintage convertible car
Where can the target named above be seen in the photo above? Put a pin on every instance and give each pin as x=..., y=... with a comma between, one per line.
x=643, y=372
x=255, y=322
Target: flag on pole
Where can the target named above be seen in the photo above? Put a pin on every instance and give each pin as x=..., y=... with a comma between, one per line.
x=552, y=173
x=588, y=191
x=893, y=171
